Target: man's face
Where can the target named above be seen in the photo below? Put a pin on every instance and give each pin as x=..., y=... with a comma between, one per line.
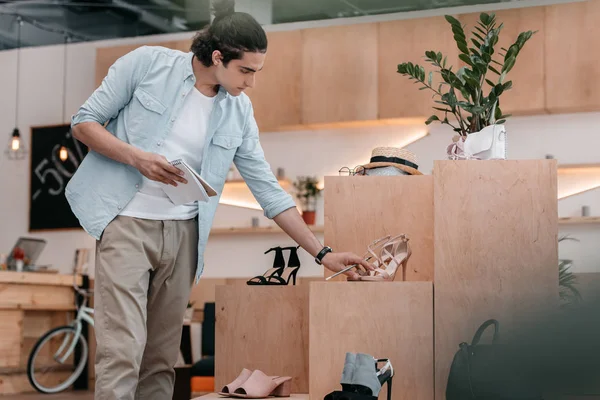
x=239, y=75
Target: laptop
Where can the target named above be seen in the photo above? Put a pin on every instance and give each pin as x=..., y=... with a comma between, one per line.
x=31, y=246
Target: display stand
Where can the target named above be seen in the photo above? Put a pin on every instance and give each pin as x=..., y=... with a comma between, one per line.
x=385, y=320
x=496, y=249
x=484, y=242
x=360, y=209
x=262, y=327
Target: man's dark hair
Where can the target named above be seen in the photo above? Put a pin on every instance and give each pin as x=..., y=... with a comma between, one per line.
x=232, y=33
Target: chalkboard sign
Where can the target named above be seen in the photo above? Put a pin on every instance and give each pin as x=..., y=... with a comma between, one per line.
x=49, y=176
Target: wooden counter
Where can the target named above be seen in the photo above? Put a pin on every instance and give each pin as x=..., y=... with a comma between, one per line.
x=30, y=304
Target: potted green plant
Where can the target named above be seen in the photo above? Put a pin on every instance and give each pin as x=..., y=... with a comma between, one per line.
x=569, y=295
x=307, y=192
x=474, y=115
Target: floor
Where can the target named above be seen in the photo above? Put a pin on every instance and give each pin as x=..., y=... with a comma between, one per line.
x=61, y=396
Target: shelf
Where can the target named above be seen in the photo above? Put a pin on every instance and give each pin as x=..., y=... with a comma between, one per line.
x=577, y=178
x=578, y=220
x=237, y=193
x=259, y=230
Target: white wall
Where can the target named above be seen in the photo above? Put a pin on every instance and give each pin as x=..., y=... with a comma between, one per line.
x=570, y=138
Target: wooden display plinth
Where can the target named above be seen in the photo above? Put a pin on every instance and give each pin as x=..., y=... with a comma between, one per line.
x=360, y=209
x=496, y=225
x=384, y=319
x=30, y=305
x=262, y=327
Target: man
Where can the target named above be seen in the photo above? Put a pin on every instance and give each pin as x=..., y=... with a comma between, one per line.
x=161, y=104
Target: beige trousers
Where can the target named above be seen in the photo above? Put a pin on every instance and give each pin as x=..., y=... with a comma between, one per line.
x=144, y=273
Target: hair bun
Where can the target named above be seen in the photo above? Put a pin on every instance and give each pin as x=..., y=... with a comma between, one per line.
x=223, y=8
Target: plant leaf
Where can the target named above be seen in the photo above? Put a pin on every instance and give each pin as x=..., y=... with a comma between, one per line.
x=494, y=70
x=431, y=119
x=466, y=59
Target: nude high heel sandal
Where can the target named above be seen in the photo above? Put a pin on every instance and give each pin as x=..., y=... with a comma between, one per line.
x=394, y=254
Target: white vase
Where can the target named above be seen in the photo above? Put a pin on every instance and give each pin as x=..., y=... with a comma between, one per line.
x=487, y=144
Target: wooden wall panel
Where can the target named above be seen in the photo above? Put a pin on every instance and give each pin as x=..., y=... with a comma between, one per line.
x=496, y=232
x=528, y=95
x=406, y=41
x=379, y=206
x=276, y=97
x=572, y=34
x=344, y=318
x=11, y=330
x=339, y=73
x=262, y=328
x=106, y=56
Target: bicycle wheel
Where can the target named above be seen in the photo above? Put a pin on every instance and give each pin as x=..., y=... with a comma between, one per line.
x=52, y=367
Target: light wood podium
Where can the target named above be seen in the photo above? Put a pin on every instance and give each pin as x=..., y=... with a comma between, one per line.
x=484, y=242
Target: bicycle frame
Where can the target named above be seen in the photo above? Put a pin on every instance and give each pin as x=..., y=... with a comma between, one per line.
x=85, y=314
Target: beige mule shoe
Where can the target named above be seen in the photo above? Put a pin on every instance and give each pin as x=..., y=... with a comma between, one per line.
x=231, y=387
x=260, y=386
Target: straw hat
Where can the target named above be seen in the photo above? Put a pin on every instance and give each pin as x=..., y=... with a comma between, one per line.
x=394, y=157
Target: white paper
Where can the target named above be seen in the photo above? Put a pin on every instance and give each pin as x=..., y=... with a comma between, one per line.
x=196, y=188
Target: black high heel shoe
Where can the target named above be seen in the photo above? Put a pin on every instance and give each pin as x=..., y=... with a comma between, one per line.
x=277, y=269
x=288, y=272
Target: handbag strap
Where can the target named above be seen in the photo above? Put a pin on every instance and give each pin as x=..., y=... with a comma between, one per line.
x=483, y=327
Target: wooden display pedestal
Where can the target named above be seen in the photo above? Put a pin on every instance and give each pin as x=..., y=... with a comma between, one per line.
x=484, y=241
x=262, y=327
x=383, y=319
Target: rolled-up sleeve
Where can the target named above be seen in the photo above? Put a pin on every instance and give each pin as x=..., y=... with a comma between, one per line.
x=116, y=89
x=256, y=171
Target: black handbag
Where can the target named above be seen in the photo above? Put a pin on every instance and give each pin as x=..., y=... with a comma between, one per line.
x=485, y=372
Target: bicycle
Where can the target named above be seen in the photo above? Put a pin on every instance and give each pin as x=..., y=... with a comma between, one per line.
x=44, y=348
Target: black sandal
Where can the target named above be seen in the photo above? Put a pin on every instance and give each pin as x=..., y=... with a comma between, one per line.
x=271, y=273
x=288, y=272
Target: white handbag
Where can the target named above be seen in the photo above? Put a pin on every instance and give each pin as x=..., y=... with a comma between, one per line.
x=487, y=144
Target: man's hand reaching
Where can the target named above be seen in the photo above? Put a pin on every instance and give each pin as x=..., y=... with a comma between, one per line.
x=338, y=261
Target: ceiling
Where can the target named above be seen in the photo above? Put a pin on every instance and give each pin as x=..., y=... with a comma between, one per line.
x=46, y=22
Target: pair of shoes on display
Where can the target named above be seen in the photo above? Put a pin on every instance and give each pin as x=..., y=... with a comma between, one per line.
x=362, y=379
x=279, y=274
x=257, y=385
x=388, y=255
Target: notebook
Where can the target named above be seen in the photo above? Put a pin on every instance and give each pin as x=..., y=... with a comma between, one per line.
x=196, y=188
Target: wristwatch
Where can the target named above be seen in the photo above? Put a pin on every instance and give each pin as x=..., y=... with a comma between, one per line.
x=321, y=254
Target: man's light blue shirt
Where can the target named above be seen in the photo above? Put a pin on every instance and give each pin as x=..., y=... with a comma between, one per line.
x=140, y=98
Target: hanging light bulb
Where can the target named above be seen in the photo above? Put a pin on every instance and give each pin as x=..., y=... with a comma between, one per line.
x=63, y=153
x=16, y=148
x=15, y=143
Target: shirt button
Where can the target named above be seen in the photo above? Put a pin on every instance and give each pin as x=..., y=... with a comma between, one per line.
x=119, y=207
x=172, y=119
x=137, y=186
x=158, y=143
x=148, y=103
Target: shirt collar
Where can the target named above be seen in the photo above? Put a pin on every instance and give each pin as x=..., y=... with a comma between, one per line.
x=189, y=72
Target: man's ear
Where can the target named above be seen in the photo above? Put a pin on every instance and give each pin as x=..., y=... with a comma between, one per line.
x=217, y=57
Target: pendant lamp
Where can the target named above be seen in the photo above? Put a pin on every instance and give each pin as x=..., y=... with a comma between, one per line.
x=15, y=149
x=63, y=152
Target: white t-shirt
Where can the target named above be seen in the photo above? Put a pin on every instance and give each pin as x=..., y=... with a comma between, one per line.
x=186, y=141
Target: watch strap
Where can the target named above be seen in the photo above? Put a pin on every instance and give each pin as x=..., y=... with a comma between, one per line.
x=322, y=254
